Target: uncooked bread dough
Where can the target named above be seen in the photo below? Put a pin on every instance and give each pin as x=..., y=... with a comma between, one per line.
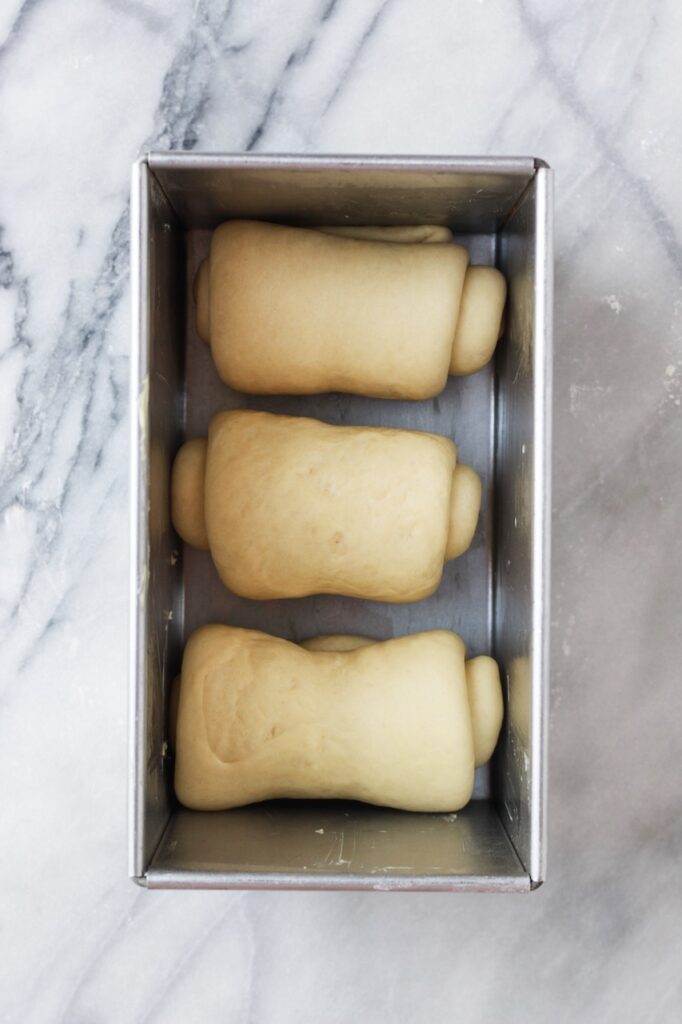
x=371, y=311
x=187, y=493
x=260, y=718
x=465, y=503
x=294, y=506
x=483, y=688
x=336, y=642
x=480, y=320
x=393, y=233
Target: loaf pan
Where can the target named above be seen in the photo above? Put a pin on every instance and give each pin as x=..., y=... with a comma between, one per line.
x=495, y=596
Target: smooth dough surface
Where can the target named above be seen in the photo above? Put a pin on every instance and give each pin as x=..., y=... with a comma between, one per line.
x=261, y=718
x=336, y=642
x=187, y=493
x=465, y=502
x=486, y=704
x=483, y=687
x=393, y=233
x=294, y=507
x=370, y=311
x=480, y=320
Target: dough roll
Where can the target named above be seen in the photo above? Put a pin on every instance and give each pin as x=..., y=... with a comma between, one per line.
x=483, y=689
x=291, y=506
x=385, y=312
x=389, y=723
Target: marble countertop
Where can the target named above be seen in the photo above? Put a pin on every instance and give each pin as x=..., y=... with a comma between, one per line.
x=86, y=87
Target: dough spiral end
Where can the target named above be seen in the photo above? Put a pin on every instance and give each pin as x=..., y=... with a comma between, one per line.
x=479, y=324
x=465, y=505
x=187, y=493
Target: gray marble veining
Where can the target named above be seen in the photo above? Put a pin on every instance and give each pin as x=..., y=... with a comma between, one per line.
x=84, y=88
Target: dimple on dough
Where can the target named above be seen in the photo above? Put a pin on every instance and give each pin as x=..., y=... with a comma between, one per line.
x=484, y=690
x=371, y=310
x=293, y=506
x=259, y=718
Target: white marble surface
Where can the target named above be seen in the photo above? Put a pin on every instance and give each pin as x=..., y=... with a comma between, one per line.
x=595, y=90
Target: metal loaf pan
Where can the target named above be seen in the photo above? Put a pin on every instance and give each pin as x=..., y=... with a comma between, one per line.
x=495, y=596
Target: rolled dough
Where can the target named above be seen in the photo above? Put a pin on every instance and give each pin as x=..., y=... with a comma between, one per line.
x=260, y=717
x=483, y=688
x=293, y=506
x=371, y=311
